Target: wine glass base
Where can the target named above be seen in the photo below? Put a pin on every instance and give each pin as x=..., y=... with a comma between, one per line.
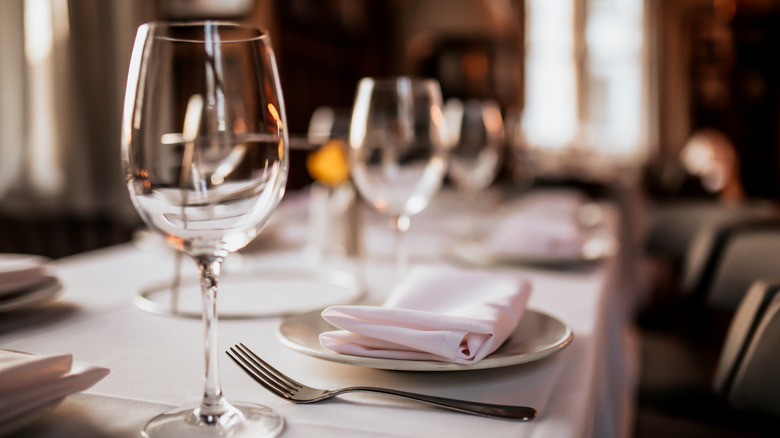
x=243, y=420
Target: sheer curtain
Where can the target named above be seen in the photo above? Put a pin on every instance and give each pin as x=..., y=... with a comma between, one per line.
x=586, y=82
x=11, y=77
x=63, y=66
x=62, y=78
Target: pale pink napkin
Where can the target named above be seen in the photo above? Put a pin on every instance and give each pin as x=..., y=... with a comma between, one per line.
x=540, y=225
x=554, y=200
x=436, y=313
x=534, y=233
x=28, y=381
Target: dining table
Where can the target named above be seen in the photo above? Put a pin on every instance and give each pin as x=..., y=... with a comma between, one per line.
x=585, y=388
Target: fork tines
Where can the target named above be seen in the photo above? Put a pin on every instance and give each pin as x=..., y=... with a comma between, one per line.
x=262, y=372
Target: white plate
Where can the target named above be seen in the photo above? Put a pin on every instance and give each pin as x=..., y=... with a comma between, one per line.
x=538, y=335
x=258, y=293
x=46, y=291
x=477, y=253
x=44, y=397
x=21, y=271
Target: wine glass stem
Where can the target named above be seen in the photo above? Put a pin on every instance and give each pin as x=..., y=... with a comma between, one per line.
x=213, y=404
x=472, y=213
x=401, y=225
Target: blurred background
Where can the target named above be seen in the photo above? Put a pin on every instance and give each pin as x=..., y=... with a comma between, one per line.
x=677, y=97
x=675, y=102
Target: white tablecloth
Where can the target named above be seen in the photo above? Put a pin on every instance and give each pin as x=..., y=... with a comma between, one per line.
x=156, y=361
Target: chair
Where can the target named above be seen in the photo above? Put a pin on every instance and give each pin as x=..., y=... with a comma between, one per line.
x=707, y=257
x=674, y=225
x=747, y=373
x=751, y=253
x=743, y=397
x=725, y=255
x=682, y=362
x=684, y=246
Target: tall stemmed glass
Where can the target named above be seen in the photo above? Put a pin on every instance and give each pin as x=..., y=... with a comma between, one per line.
x=476, y=136
x=398, y=152
x=476, y=130
x=204, y=147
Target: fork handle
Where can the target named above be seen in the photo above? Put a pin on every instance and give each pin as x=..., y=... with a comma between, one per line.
x=471, y=407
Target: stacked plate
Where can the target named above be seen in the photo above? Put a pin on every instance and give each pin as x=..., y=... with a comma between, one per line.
x=26, y=280
x=31, y=385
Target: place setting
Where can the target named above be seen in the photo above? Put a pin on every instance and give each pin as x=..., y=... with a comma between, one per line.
x=207, y=174
x=398, y=159
x=351, y=219
x=437, y=319
x=33, y=385
x=552, y=228
x=26, y=281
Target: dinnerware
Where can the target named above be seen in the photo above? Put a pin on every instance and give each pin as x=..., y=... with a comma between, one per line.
x=37, y=384
x=205, y=153
x=477, y=253
x=43, y=292
x=176, y=297
x=21, y=271
x=289, y=389
x=398, y=149
x=537, y=336
x=261, y=292
x=8, y=426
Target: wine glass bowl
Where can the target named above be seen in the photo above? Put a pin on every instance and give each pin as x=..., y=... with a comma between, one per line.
x=477, y=141
x=397, y=148
x=204, y=148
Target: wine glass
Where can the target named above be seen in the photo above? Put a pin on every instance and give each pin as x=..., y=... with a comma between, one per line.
x=398, y=149
x=522, y=163
x=476, y=130
x=205, y=151
x=334, y=219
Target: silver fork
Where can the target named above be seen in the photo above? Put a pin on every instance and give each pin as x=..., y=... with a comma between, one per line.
x=292, y=390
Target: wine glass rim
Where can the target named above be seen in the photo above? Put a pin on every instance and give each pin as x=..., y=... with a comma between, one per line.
x=252, y=33
x=395, y=79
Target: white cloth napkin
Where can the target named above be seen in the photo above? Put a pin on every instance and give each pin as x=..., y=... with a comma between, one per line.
x=436, y=313
x=555, y=200
x=533, y=234
x=543, y=225
x=29, y=381
x=19, y=272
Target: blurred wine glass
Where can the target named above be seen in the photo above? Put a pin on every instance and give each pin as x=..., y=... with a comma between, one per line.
x=205, y=152
x=334, y=216
x=477, y=139
x=398, y=149
x=521, y=162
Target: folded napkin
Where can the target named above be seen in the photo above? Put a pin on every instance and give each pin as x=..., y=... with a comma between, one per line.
x=436, y=313
x=545, y=224
x=536, y=234
x=29, y=381
x=19, y=272
x=552, y=200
